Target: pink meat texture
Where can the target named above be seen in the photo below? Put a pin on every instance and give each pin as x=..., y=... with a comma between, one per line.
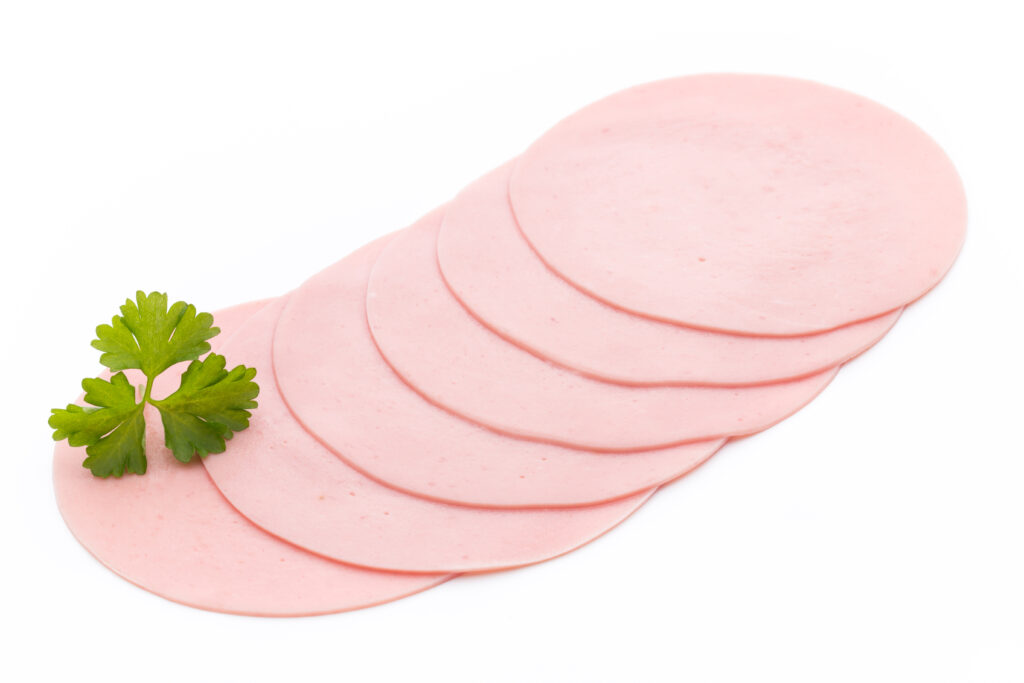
x=172, y=533
x=495, y=274
x=449, y=357
x=738, y=203
x=282, y=479
x=355, y=405
x=514, y=374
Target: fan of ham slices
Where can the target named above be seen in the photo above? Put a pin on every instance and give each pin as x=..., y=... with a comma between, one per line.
x=518, y=371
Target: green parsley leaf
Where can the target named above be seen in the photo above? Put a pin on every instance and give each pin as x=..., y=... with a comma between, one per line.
x=113, y=430
x=209, y=406
x=152, y=338
x=122, y=449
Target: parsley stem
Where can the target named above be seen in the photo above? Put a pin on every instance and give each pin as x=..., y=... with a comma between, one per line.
x=149, y=390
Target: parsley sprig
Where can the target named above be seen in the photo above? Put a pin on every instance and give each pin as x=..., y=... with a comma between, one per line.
x=209, y=406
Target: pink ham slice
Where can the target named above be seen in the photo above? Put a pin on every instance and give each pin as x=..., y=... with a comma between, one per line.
x=449, y=357
x=341, y=390
x=173, y=533
x=492, y=271
x=738, y=203
x=283, y=480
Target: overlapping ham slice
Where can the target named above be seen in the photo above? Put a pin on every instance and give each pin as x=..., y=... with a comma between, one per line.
x=742, y=203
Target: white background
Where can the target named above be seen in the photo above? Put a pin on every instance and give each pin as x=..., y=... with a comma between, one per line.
x=224, y=152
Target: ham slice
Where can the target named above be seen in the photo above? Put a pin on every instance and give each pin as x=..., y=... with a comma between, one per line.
x=282, y=479
x=739, y=203
x=172, y=533
x=449, y=357
x=492, y=271
x=337, y=385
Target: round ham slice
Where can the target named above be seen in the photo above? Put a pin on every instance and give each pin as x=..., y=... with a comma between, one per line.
x=740, y=203
x=286, y=482
x=449, y=357
x=172, y=533
x=492, y=271
x=341, y=390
